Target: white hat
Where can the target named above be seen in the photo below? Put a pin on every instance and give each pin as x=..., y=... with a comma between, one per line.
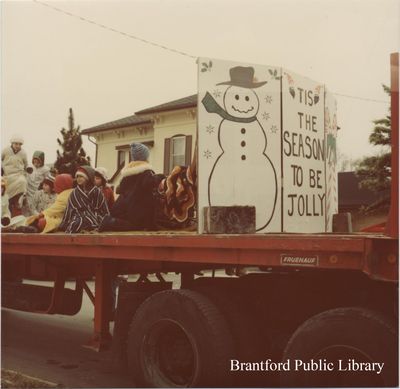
x=102, y=171
x=17, y=139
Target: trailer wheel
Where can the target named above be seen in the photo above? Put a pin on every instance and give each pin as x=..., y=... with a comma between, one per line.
x=342, y=334
x=178, y=338
x=249, y=339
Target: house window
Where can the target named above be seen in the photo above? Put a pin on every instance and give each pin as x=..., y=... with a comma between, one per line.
x=177, y=152
x=121, y=158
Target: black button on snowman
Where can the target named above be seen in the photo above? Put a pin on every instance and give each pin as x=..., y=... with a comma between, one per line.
x=242, y=174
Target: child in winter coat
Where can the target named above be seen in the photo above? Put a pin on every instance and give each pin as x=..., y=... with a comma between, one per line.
x=14, y=164
x=135, y=207
x=40, y=171
x=100, y=180
x=86, y=206
x=44, y=197
x=50, y=219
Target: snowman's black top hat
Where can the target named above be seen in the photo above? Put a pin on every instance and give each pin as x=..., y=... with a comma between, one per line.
x=243, y=77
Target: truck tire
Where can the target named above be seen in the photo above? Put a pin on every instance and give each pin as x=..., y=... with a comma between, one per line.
x=250, y=342
x=344, y=334
x=178, y=338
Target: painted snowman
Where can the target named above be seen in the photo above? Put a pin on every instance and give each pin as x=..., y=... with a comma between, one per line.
x=242, y=174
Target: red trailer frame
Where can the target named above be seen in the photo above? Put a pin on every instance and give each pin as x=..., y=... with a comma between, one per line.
x=59, y=256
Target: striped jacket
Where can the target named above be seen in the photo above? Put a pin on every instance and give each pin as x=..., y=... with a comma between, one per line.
x=85, y=210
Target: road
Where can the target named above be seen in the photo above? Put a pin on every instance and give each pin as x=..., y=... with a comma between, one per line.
x=49, y=347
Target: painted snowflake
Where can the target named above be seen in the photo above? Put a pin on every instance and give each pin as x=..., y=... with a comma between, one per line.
x=210, y=129
x=217, y=93
x=268, y=99
x=274, y=129
x=266, y=116
x=207, y=154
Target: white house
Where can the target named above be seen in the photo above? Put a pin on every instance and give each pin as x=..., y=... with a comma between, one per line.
x=169, y=130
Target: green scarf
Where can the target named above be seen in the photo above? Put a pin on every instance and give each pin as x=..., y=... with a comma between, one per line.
x=213, y=107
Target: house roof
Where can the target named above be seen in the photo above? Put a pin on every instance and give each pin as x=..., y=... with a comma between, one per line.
x=350, y=193
x=128, y=121
x=185, y=102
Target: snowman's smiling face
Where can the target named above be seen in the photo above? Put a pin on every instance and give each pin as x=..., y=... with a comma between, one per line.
x=241, y=102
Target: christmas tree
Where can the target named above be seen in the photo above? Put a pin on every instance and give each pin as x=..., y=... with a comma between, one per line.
x=73, y=155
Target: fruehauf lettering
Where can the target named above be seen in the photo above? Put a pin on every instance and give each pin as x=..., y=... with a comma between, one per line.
x=306, y=260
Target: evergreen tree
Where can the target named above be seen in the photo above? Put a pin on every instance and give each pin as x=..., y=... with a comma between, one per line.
x=73, y=155
x=375, y=171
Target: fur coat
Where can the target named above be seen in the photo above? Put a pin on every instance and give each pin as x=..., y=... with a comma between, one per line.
x=136, y=202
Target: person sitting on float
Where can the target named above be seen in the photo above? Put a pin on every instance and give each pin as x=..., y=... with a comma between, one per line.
x=86, y=206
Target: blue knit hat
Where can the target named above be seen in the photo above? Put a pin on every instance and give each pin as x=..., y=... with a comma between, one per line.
x=139, y=152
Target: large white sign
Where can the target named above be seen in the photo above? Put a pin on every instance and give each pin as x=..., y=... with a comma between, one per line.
x=261, y=142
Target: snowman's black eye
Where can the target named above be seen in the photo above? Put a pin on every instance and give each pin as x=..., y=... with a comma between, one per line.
x=247, y=98
x=237, y=97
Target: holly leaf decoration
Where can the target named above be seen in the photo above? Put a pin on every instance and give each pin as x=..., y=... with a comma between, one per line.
x=292, y=92
x=316, y=99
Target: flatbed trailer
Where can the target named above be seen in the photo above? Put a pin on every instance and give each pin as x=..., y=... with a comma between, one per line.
x=306, y=310
x=279, y=280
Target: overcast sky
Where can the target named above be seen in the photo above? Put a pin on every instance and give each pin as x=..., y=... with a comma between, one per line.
x=51, y=62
